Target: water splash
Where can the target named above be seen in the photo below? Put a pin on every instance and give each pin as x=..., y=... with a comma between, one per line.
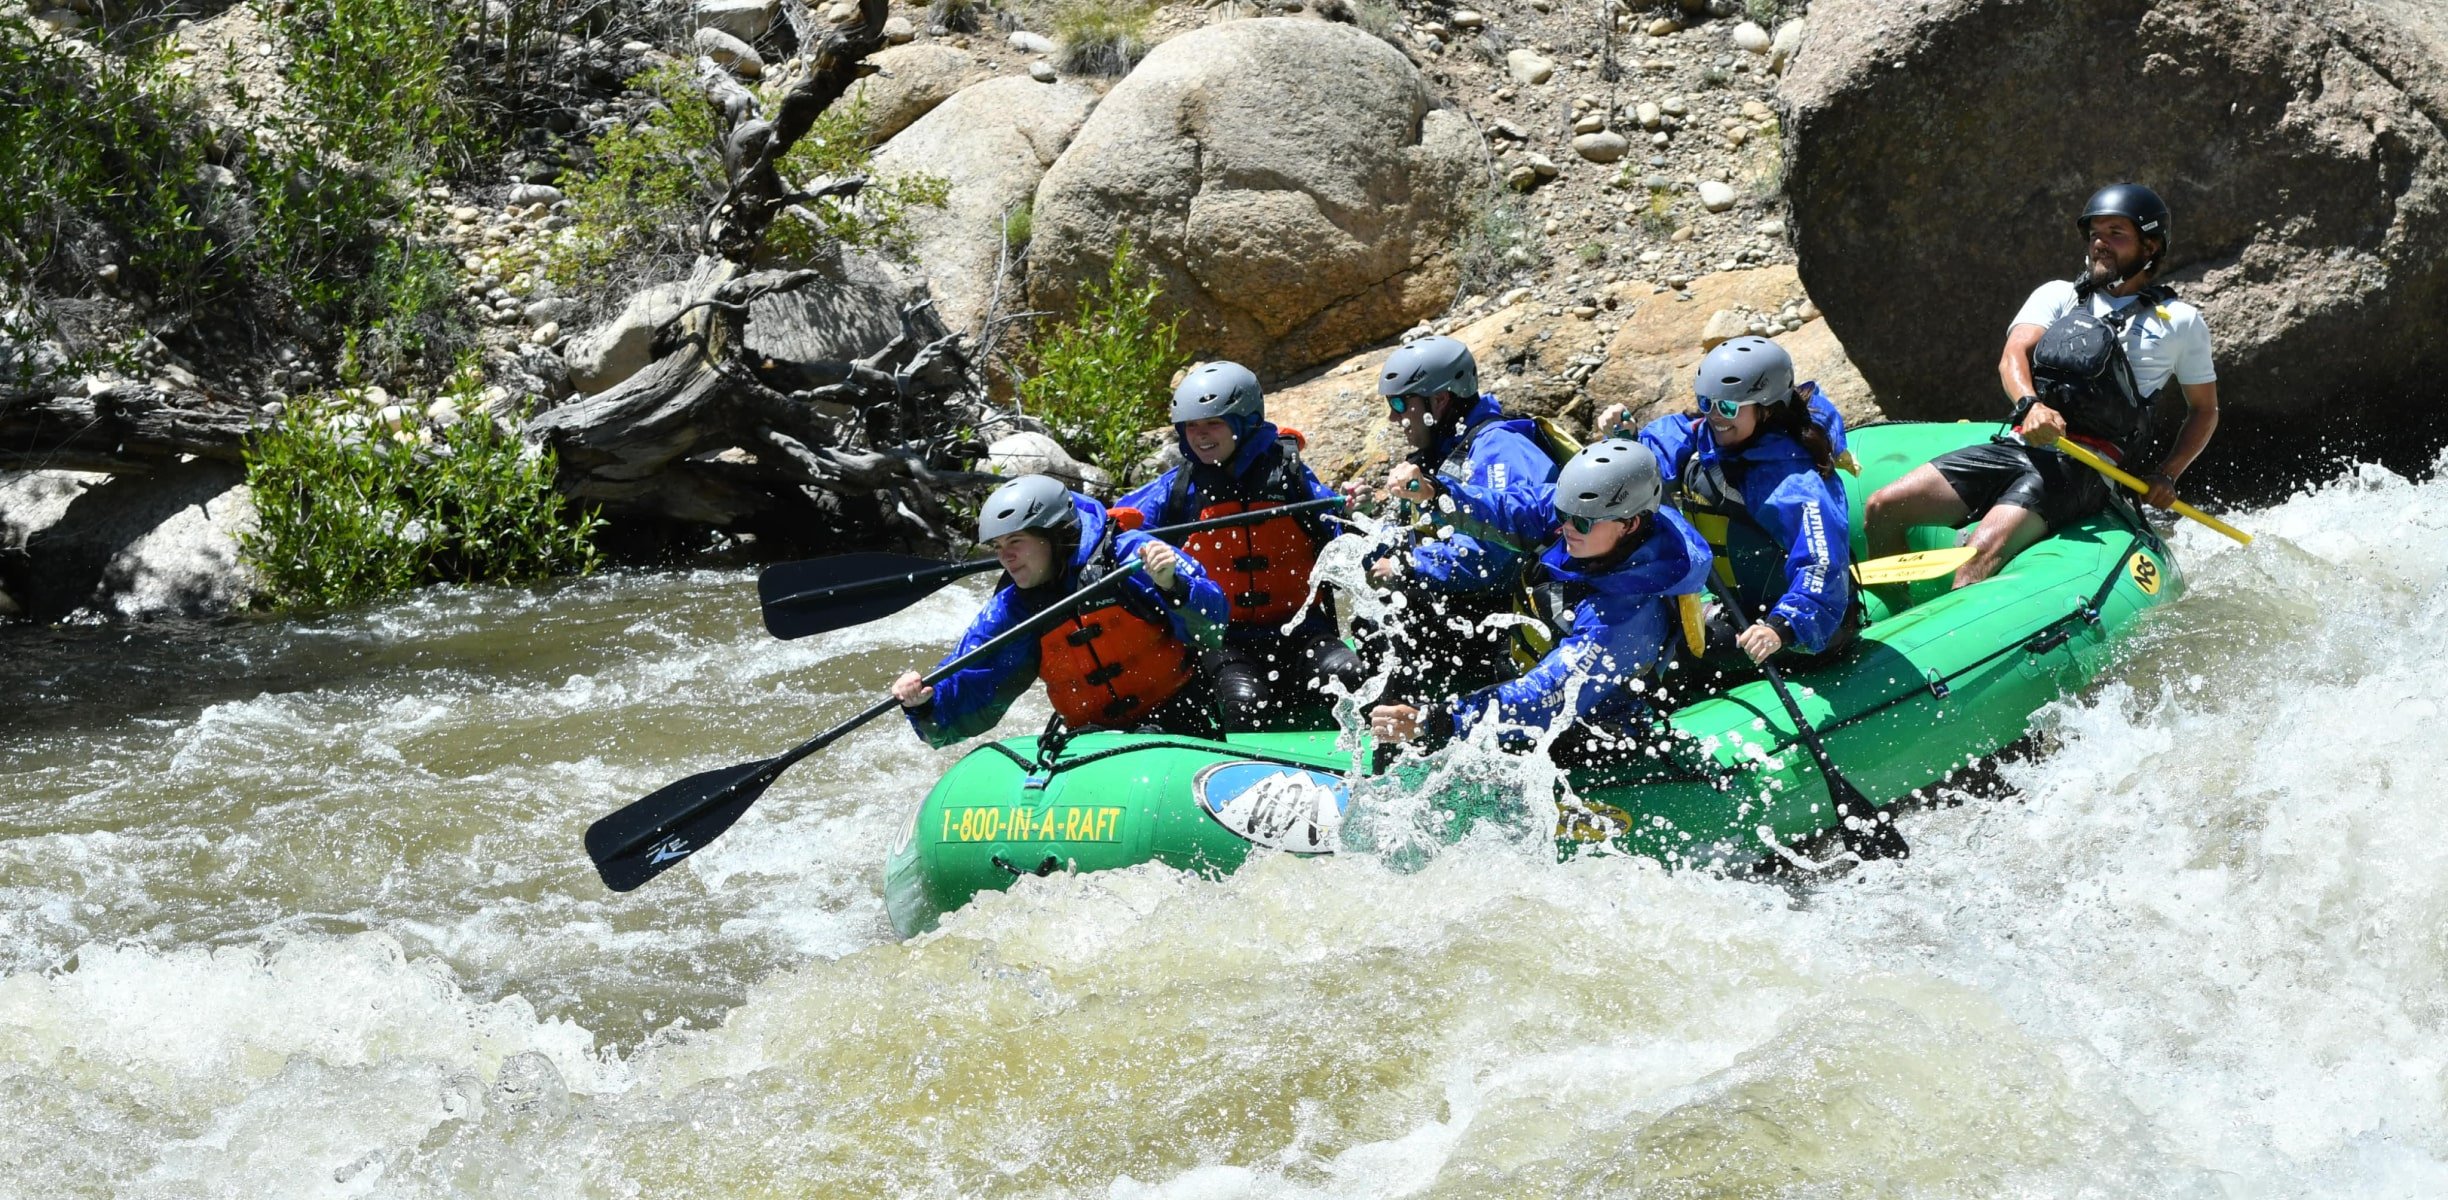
x=336, y=939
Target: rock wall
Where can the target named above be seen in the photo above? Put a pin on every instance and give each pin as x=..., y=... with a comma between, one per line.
x=1939, y=152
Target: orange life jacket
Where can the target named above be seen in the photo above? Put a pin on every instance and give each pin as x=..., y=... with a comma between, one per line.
x=1262, y=567
x=1110, y=666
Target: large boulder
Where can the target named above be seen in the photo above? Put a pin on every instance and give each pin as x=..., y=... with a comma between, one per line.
x=909, y=82
x=2300, y=146
x=74, y=544
x=1292, y=184
x=992, y=143
x=605, y=355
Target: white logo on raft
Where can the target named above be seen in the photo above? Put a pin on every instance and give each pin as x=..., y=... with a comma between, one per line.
x=1277, y=807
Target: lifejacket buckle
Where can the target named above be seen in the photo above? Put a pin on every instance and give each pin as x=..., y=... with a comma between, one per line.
x=1252, y=563
x=1105, y=674
x=1254, y=599
x=1084, y=634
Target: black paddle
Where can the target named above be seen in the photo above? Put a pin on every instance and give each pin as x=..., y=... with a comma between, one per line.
x=820, y=595
x=1870, y=838
x=646, y=838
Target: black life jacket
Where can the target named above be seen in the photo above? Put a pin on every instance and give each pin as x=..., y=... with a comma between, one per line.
x=1750, y=563
x=2082, y=371
x=1551, y=438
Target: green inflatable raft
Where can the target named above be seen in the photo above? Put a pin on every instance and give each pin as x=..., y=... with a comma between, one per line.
x=1937, y=679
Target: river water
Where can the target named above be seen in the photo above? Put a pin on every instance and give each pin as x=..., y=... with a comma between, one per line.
x=300, y=909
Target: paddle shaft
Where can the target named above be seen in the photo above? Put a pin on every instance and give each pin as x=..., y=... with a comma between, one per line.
x=2084, y=455
x=1871, y=840
x=766, y=772
x=934, y=577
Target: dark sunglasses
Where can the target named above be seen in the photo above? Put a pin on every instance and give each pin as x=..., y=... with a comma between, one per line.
x=1580, y=524
x=1726, y=409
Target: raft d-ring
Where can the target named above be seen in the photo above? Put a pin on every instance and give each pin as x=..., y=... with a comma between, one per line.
x=1048, y=867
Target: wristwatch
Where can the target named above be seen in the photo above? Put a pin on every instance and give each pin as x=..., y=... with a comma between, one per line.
x=2022, y=409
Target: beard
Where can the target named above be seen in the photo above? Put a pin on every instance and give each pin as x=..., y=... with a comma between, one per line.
x=2102, y=270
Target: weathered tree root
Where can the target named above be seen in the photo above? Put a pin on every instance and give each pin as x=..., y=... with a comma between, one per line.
x=859, y=450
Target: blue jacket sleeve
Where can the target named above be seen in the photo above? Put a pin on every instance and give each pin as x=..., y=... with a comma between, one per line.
x=1807, y=516
x=971, y=700
x=1149, y=499
x=1614, y=640
x=1318, y=489
x=1500, y=460
x=1670, y=439
x=1199, y=616
x=1517, y=517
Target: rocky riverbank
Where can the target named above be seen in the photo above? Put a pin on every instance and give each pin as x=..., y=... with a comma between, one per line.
x=1590, y=195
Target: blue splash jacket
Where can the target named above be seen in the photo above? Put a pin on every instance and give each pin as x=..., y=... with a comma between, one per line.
x=970, y=701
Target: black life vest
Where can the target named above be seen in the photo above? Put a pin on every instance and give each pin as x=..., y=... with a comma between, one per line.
x=1550, y=437
x=2081, y=370
x=1749, y=561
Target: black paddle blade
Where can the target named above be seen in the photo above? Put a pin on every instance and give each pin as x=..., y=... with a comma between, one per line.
x=819, y=595
x=654, y=834
x=1874, y=839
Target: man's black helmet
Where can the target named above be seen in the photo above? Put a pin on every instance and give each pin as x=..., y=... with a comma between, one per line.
x=2135, y=203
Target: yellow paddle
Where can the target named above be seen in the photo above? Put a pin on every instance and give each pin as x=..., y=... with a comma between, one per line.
x=2082, y=454
x=1910, y=568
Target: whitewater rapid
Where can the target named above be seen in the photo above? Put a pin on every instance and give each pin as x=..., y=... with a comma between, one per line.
x=300, y=910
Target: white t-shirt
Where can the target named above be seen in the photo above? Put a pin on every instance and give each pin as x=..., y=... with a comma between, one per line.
x=2170, y=339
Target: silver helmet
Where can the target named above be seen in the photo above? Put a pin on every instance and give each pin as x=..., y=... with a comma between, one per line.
x=1219, y=389
x=1613, y=480
x=1428, y=366
x=1745, y=370
x=1039, y=502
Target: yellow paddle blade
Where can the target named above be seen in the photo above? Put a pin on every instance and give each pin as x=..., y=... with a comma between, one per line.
x=2082, y=454
x=1694, y=619
x=1909, y=568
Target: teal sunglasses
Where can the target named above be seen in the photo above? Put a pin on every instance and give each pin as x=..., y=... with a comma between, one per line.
x=1724, y=409
x=1580, y=524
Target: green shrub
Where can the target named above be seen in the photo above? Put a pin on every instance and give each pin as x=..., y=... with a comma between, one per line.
x=1591, y=253
x=654, y=182
x=287, y=214
x=108, y=167
x=1100, y=37
x=1019, y=225
x=838, y=145
x=1657, y=217
x=1498, y=243
x=1767, y=12
x=1102, y=378
x=651, y=185
x=351, y=509
x=959, y=16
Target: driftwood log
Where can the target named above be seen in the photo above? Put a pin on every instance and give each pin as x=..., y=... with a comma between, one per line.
x=130, y=428
x=709, y=434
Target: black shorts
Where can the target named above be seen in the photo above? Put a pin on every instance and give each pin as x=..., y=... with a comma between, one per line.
x=2061, y=490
